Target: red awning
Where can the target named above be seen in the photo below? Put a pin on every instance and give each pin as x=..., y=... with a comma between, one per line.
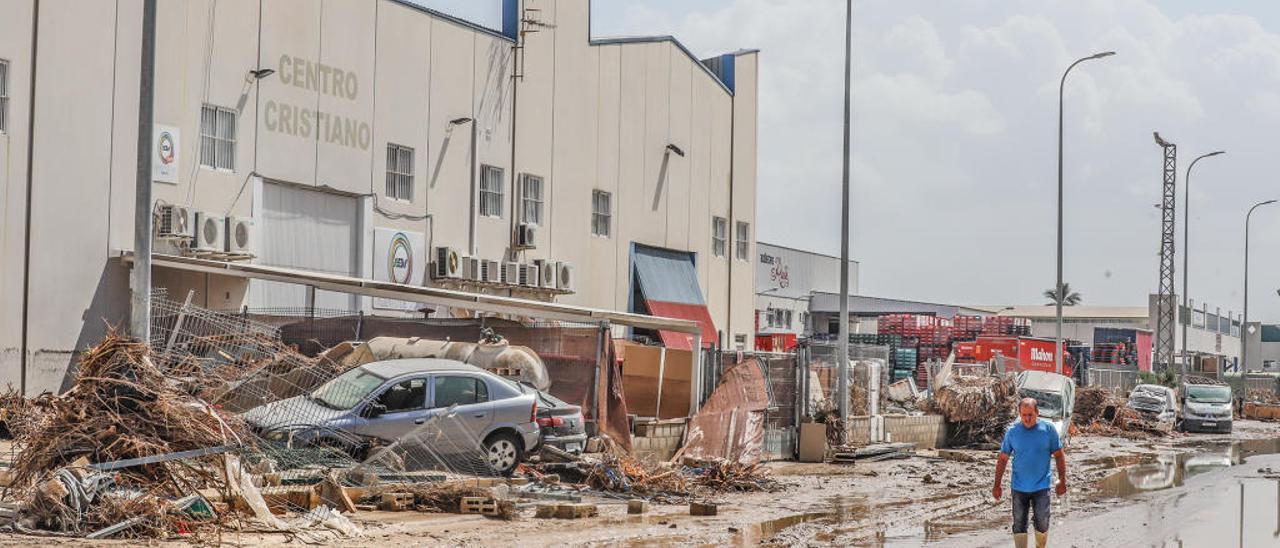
x=695, y=312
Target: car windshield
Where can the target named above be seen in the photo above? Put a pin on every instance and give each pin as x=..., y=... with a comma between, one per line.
x=1050, y=402
x=346, y=390
x=1209, y=394
x=1150, y=392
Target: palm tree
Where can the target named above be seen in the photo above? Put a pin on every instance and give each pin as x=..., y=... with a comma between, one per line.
x=1072, y=298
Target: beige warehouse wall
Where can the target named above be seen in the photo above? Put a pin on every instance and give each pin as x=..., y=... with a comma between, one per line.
x=15, y=47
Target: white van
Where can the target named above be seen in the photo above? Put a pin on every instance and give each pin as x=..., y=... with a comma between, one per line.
x=1056, y=396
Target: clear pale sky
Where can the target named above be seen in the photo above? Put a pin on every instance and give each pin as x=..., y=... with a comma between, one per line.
x=955, y=126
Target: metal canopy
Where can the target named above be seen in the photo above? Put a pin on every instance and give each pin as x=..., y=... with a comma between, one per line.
x=428, y=295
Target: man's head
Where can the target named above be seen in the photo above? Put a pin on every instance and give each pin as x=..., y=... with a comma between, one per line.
x=1029, y=412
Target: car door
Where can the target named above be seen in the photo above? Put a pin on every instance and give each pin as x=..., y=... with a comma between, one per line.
x=470, y=394
x=404, y=403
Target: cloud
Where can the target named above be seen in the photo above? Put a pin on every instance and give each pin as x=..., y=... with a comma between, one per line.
x=955, y=139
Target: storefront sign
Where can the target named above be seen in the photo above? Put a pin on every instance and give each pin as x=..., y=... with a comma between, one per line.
x=400, y=258
x=164, y=154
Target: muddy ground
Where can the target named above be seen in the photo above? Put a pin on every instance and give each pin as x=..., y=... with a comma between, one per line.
x=917, y=501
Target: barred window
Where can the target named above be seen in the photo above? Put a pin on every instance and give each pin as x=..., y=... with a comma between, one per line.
x=719, y=236
x=491, y=191
x=601, y=212
x=531, y=199
x=399, y=172
x=217, y=137
x=4, y=96
x=742, y=241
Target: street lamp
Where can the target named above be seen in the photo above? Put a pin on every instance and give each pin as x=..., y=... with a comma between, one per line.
x=1058, y=292
x=1186, y=251
x=842, y=345
x=1244, y=325
x=471, y=227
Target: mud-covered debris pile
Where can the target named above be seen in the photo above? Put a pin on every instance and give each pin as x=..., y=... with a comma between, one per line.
x=1091, y=405
x=1257, y=395
x=979, y=409
x=121, y=407
x=1127, y=423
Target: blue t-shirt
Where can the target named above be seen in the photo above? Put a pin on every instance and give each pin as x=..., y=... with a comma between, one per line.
x=1031, y=449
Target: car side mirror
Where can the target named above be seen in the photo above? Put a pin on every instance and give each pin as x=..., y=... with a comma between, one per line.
x=374, y=410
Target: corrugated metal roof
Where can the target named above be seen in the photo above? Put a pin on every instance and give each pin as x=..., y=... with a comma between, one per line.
x=1074, y=312
x=667, y=275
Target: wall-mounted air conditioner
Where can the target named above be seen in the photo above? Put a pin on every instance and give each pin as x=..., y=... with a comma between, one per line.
x=489, y=271
x=447, y=264
x=240, y=234
x=547, y=273
x=565, y=279
x=510, y=274
x=210, y=232
x=173, y=222
x=470, y=268
x=526, y=236
x=529, y=275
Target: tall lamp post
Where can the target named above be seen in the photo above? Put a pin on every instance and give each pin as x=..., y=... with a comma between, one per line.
x=1244, y=324
x=1058, y=291
x=842, y=346
x=1186, y=253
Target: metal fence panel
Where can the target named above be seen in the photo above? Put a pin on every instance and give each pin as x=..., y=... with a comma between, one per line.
x=1120, y=381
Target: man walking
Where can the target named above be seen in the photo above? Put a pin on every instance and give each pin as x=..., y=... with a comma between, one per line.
x=1031, y=442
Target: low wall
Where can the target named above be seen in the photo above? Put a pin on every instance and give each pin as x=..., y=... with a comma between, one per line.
x=926, y=431
x=657, y=440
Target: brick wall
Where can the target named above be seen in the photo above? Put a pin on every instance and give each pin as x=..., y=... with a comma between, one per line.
x=657, y=440
x=926, y=431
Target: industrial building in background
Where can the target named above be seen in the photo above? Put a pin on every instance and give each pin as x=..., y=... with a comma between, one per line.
x=787, y=279
x=379, y=141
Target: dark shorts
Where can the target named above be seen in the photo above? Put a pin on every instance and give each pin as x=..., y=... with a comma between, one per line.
x=1036, y=502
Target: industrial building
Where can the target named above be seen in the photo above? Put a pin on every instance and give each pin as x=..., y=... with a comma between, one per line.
x=787, y=279
x=376, y=140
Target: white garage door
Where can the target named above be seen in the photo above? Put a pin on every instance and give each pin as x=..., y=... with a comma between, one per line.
x=307, y=230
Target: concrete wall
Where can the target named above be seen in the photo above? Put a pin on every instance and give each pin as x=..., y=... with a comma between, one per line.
x=584, y=115
x=926, y=431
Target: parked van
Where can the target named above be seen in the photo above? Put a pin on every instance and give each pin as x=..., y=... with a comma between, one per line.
x=1056, y=396
x=1205, y=406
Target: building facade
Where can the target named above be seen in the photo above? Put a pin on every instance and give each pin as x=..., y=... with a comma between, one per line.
x=786, y=281
x=377, y=140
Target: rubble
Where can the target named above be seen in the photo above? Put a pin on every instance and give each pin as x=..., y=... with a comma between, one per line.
x=1092, y=403
x=978, y=409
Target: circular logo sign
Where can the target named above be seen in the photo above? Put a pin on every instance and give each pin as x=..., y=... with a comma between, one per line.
x=400, y=259
x=165, y=148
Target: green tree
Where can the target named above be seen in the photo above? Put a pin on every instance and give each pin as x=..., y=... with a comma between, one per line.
x=1072, y=298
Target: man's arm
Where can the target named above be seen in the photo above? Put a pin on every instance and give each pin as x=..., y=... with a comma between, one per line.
x=1001, y=462
x=1061, y=457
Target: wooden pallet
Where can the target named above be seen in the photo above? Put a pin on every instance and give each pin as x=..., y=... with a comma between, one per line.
x=479, y=505
x=506, y=372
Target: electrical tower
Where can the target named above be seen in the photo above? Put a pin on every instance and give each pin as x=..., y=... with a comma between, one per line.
x=1166, y=300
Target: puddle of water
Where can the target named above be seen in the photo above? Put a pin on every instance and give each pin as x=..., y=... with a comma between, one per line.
x=1165, y=471
x=1245, y=513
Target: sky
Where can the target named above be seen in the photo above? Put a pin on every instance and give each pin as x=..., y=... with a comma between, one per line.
x=955, y=138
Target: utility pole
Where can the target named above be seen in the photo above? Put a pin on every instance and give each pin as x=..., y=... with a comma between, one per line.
x=1166, y=300
x=842, y=384
x=140, y=277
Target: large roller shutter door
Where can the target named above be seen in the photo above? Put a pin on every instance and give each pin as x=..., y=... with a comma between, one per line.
x=307, y=230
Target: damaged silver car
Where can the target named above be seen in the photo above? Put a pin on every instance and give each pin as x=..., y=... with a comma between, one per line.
x=1154, y=402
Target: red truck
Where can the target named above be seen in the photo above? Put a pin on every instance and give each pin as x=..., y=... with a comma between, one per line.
x=1033, y=354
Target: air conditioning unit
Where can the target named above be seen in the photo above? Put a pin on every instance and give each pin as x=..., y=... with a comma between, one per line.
x=447, y=264
x=210, y=232
x=529, y=275
x=470, y=268
x=489, y=271
x=173, y=222
x=510, y=274
x=239, y=232
x=547, y=273
x=564, y=276
x=526, y=236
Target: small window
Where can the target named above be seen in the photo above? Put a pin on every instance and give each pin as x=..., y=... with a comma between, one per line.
x=405, y=396
x=4, y=96
x=719, y=236
x=399, y=172
x=217, y=137
x=460, y=391
x=740, y=342
x=742, y=241
x=491, y=191
x=601, y=212
x=531, y=200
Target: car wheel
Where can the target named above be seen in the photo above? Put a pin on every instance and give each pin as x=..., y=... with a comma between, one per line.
x=503, y=453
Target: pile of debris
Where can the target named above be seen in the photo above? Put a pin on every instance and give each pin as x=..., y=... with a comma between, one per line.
x=617, y=472
x=1092, y=404
x=1256, y=395
x=978, y=409
x=102, y=453
x=1127, y=423
x=447, y=497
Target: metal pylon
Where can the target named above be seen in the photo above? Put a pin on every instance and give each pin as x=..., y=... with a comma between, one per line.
x=1166, y=300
